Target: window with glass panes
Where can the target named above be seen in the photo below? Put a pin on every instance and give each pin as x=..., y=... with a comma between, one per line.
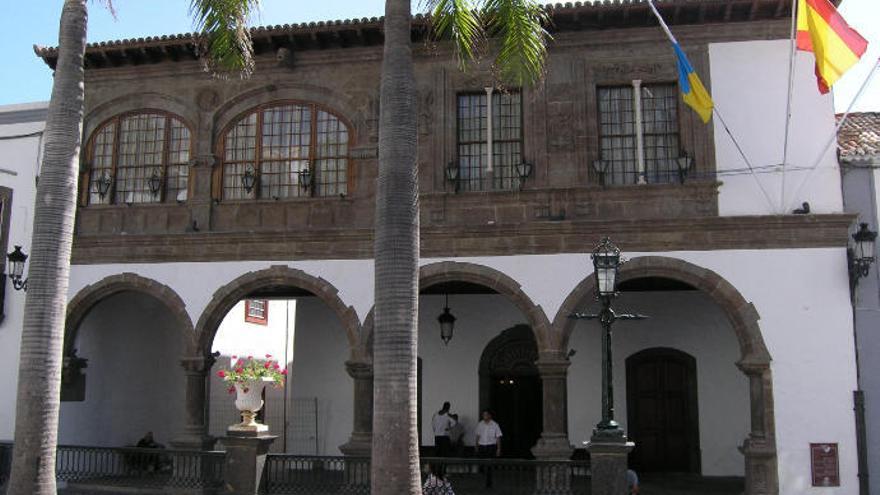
x=507, y=140
x=278, y=144
x=131, y=154
x=256, y=311
x=660, y=134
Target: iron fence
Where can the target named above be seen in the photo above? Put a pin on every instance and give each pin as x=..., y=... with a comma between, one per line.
x=301, y=475
x=140, y=468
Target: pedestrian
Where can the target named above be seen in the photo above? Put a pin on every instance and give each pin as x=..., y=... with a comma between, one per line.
x=436, y=482
x=488, y=439
x=456, y=436
x=442, y=423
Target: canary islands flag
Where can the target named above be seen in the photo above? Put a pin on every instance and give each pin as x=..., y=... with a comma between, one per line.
x=822, y=30
x=692, y=89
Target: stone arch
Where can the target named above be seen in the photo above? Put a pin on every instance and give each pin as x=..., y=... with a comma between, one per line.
x=276, y=276
x=341, y=105
x=138, y=101
x=84, y=300
x=456, y=271
x=760, y=447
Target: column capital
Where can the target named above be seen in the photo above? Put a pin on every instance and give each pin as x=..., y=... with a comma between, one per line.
x=208, y=160
x=197, y=364
x=552, y=367
x=751, y=366
x=359, y=370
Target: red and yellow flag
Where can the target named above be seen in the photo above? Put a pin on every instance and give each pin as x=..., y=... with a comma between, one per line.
x=823, y=31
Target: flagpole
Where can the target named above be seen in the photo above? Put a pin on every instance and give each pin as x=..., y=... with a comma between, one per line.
x=791, y=62
x=837, y=128
x=662, y=22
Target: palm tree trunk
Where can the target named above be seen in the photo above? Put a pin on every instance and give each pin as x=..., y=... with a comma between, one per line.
x=395, y=460
x=39, y=374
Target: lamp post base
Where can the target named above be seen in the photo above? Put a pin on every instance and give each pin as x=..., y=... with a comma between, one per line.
x=608, y=450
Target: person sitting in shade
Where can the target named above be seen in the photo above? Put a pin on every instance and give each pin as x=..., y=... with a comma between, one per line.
x=442, y=423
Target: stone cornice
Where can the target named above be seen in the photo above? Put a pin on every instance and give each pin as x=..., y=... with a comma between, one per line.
x=546, y=237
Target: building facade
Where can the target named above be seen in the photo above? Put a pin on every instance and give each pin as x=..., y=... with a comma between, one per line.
x=198, y=194
x=859, y=152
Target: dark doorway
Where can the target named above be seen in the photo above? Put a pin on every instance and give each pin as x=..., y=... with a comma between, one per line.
x=511, y=388
x=662, y=416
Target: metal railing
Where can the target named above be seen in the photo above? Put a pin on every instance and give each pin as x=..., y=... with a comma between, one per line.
x=141, y=468
x=312, y=475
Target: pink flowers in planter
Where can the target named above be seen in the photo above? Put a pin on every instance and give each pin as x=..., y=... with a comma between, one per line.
x=248, y=370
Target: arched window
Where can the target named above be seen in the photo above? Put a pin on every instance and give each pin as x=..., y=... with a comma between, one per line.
x=139, y=157
x=285, y=150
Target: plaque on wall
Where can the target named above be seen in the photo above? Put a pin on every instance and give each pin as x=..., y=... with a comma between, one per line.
x=824, y=464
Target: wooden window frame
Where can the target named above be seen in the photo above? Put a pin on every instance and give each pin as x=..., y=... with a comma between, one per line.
x=86, y=173
x=256, y=319
x=628, y=84
x=314, y=108
x=515, y=180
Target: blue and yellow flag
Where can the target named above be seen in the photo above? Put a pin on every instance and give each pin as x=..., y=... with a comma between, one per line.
x=692, y=89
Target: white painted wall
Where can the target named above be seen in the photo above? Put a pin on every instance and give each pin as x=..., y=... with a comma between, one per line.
x=750, y=88
x=318, y=349
x=687, y=321
x=19, y=162
x=802, y=296
x=451, y=373
x=239, y=338
x=134, y=381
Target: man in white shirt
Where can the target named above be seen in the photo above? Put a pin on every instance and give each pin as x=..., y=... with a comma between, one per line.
x=488, y=435
x=441, y=424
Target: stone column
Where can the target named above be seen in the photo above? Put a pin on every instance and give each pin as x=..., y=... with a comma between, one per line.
x=361, y=441
x=554, y=443
x=759, y=448
x=608, y=463
x=200, y=204
x=245, y=462
x=195, y=433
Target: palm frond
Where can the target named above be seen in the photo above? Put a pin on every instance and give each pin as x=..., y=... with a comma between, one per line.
x=223, y=25
x=459, y=20
x=520, y=25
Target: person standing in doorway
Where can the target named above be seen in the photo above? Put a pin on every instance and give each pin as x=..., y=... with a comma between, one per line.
x=442, y=423
x=488, y=435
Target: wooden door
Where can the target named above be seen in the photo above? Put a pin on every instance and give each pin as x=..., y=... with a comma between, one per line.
x=516, y=404
x=662, y=411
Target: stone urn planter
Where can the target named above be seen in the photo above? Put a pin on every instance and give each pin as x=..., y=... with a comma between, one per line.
x=248, y=401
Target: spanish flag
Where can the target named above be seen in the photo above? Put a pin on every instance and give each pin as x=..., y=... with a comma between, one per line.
x=823, y=31
x=692, y=89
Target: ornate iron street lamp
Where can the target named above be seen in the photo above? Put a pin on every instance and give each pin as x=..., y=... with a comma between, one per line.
x=155, y=182
x=606, y=264
x=16, y=268
x=103, y=183
x=447, y=323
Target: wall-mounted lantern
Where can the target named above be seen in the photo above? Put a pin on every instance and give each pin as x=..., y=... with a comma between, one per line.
x=17, y=259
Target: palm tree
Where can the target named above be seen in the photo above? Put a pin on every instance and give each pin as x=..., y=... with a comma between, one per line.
x=39, y=374
x=519, y=24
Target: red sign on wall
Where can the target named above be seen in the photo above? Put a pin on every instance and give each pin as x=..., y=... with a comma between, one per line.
x=825, y=464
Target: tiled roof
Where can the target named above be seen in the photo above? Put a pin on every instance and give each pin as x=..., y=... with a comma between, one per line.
x=570, y=16
x=860, y=135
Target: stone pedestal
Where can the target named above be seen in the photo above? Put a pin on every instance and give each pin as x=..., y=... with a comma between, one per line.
x=245, y=462
x=361, y=441
x=608, y=462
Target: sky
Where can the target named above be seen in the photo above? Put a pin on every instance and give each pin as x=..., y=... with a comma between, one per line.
x=25, y=78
